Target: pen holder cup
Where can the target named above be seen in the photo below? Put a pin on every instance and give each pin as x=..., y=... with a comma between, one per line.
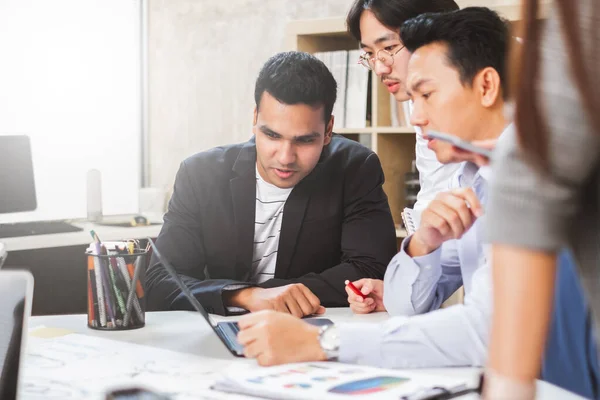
x=116, y=291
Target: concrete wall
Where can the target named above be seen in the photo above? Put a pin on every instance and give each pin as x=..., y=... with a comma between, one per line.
x=204, y=56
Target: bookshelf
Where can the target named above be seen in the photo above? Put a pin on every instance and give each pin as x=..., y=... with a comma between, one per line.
x=395, y=146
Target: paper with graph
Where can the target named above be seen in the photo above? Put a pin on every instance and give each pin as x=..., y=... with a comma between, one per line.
x=327, y=380
x=83, y=367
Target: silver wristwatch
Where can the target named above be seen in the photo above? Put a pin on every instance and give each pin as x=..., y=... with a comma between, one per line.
x=330, y=341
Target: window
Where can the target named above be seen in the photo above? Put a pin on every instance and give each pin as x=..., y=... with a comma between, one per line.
x=70, y=78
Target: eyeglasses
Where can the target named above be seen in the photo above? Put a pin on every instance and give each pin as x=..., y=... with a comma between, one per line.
x=384, y=56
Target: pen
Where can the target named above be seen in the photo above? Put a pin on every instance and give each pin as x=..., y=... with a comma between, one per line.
x=130, y=268
x=440, y=393
x=111, y=305
x=91, y=310
x=136, y=303
x=105, y=279
x=117, y=284
x=354, y=289
x=99, y=292
x=132, y=292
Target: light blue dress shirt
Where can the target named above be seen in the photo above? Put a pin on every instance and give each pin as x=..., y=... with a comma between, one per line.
x=420, y=335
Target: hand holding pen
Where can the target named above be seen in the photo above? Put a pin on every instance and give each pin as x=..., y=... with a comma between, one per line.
x=365, y=295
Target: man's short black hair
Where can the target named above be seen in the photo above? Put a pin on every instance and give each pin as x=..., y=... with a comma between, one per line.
x=476, y=37
x=294, y=77
x=393, y=13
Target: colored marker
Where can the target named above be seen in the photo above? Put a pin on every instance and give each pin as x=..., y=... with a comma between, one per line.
x=354, y=289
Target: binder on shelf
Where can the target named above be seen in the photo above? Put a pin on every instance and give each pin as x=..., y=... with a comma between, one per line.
x=399, y=112
x=356, y=92
x=406, y=107
x=337, y=62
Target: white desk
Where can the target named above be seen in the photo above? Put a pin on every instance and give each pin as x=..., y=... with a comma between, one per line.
x=187, y=332
x=180, y=331
x=106, y=233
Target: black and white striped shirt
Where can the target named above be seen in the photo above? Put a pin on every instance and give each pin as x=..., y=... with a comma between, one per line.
x=270, y=201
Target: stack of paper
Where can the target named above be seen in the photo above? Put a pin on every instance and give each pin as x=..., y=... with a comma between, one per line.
x=400, y=112
x=86, y=367
x=356, y=92
x=350, y=109
x=337, y=63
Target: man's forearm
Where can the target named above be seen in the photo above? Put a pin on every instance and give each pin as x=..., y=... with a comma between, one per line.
x=238, y=298
x=523, y=290
x=163, y=293
x=417, y=248
x=328, y=294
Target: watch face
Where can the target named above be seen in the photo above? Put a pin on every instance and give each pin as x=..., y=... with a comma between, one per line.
x=330, y=340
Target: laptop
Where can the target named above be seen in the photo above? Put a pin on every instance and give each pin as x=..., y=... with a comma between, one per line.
x=226, y=331
x=16, y=295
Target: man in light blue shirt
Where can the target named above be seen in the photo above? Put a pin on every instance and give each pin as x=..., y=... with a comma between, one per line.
x=455, y=81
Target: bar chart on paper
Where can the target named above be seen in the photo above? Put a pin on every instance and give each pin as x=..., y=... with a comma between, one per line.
x=76, y=367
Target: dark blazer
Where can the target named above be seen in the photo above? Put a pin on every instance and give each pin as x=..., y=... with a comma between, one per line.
x=336, y=225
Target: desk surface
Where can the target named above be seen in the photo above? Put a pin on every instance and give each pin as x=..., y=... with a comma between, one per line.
x=172, y=330
x=106, y=233
x=188, y=332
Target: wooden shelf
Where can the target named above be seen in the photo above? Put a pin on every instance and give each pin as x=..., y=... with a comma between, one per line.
x=396, y=153
x=401, y=233
x=327, y=34
x=319, y=26
x=395, y=130
x=380, y=130
x=346, y=131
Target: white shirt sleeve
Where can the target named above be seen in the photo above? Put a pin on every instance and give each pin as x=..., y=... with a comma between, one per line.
x=453, y=336
x=421, y=284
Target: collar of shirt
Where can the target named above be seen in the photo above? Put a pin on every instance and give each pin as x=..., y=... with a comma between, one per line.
x=269, y=188
x=470, y=174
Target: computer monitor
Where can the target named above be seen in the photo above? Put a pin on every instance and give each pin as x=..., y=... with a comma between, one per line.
x=16, y=175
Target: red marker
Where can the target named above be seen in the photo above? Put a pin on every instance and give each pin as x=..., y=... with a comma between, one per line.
x=355, y=289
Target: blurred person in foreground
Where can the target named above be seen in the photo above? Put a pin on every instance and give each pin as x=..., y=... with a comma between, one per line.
x=545, y=191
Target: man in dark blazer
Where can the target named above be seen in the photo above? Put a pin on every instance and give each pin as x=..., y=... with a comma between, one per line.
x=333, y=222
